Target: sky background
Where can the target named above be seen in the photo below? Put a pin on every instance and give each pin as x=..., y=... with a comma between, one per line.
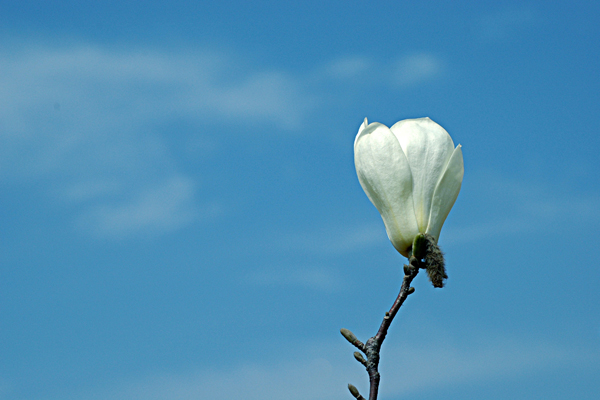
x=181, y=219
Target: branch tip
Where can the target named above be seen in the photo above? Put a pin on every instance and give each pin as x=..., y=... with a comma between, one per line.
x=350, y=337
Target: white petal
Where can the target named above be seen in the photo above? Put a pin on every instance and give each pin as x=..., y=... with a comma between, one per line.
x=446, y=192
x=428, y=148
x=385, y=176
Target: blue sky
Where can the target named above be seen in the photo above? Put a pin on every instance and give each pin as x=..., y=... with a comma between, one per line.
x=181, y=217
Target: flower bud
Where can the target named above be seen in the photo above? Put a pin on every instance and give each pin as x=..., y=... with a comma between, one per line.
x=412, y=174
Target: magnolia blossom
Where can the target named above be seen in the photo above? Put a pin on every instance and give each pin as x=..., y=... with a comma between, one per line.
x=412, y=173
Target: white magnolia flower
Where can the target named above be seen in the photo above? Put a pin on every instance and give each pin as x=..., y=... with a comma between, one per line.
x=412, y=173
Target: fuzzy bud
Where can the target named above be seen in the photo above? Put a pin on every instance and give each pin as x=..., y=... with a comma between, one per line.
x=434, y=263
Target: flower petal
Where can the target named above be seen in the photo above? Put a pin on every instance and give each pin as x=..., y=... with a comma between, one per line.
x=385, y=176
x=446, y=192
x=428, y=148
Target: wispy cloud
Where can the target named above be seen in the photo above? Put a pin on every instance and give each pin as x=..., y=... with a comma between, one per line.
x=349, y=67
x=89, y=104
x=333, y=240
x=528, y=208
x=463, y=365
x=323, y=371
x=89, y=122
x=505, y=23
x=158, y=209
x=289, y=380
x=268, y=96
x=85, y=120
x=405, y=71
x=138, y=84
x=415, y=69
x=322, y=279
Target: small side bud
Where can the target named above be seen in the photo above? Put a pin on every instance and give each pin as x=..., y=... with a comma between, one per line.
x=354, y=391
x=419, y=247
x=410, y=290
x=359, y=357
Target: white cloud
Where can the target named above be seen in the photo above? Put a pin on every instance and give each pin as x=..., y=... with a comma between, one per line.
x=453, y=235
x=417, y=68
x=323, y=371
x=528, y=208
x=288, y=380
x=406, y=71
x=266, y=96
x=83, y=120
x=336, y=240
x=322, y=279
x=90, y=101
x=88, y=190
x=498, y=359
x=136, y=84
x=161, y=208
x=349, y=67
x=505, y=23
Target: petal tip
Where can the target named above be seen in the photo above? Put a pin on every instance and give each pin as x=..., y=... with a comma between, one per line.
x=363, y=125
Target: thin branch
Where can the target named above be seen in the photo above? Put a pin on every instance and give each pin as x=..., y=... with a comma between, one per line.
x=424, y=247
x=373, y=345
x=411, y=272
